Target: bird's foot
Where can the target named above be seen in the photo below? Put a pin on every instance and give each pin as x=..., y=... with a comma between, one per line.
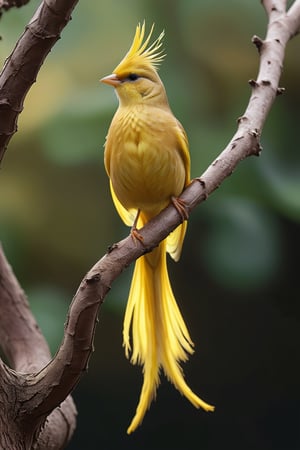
x=134, y=232
x=181, y=207
x=136, y=235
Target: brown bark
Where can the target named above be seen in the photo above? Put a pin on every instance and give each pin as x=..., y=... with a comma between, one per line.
x=21, y=68
x=27, y=352
x=21, y=340
x=36, y=410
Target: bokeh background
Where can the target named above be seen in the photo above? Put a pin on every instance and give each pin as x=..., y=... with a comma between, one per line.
x=238, y=279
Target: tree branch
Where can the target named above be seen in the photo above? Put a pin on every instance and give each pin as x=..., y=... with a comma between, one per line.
x=27, y=350
x=274, y=6
x=21, y=340
x=293, y=17
x=22, y=66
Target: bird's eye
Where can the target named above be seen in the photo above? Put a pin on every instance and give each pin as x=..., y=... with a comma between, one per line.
x=133, y=76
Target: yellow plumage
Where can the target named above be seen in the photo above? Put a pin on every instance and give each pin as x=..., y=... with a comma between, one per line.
x=148, y=162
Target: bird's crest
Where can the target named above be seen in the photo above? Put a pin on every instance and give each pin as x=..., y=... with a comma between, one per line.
x=139, y=55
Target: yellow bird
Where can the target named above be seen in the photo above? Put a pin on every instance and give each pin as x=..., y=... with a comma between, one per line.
x=148, y=163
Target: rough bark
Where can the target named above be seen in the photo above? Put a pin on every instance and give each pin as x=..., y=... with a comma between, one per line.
x=21, y=339
x=22, y=66
x=27, y=352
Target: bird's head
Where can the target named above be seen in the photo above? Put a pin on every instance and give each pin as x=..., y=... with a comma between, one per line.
x=135, y=78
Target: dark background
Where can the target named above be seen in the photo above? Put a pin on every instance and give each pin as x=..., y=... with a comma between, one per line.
x=238, y=279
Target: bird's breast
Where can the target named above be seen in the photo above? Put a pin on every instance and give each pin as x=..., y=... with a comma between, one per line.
x=145, y=165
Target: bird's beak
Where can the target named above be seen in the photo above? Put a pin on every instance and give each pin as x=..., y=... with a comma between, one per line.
x=112, y=80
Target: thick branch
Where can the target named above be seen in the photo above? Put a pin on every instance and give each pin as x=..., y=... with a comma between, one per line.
x=20, y=337
x=50, y=386
x=21, y=68
x=27, y=350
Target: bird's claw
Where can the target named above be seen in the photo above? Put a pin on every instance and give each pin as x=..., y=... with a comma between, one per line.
x=181, y=207
x=136, y=236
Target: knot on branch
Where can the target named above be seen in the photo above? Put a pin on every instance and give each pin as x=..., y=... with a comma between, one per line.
x=256, y=148
x=253, y=83
x=93, y=279
x=112, y=247
x=242, y=119
x=258, y=42
x=280, y=91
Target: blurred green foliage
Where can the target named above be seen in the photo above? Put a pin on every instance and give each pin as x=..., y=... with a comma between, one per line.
x=241, y=251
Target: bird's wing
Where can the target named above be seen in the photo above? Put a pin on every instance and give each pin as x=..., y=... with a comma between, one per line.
x=175, y=241
x=176, y=238
x=183, y=147
x=128, y=217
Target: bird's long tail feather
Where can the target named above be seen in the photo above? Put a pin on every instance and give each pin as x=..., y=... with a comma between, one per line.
x=160, y=338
